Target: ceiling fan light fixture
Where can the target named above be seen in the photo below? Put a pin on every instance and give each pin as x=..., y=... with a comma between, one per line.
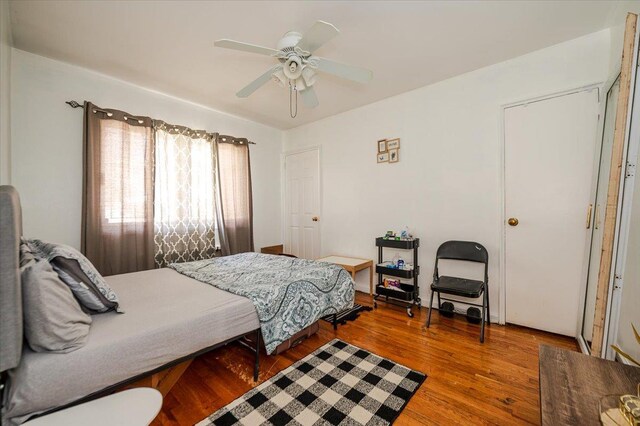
x=293, y=67
x=299, y=84
x=309, y=76
x=280, y=78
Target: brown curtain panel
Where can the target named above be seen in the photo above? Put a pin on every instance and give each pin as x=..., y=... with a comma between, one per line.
x=117, y=204
x=235, y=206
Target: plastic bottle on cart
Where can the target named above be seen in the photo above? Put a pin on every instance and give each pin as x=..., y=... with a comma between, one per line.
x=395, y=260
x=405, y=235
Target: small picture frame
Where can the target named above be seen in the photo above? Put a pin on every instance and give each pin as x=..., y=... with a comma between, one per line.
x=393, y=155
x=382, y=146
x=393, y=144
x=383, y=157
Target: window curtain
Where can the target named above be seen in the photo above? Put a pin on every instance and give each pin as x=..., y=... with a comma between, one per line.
x=185, y=194
x=235, y=206
x=117, y=205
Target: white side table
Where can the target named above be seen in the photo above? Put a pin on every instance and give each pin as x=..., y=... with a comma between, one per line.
x=133, y=407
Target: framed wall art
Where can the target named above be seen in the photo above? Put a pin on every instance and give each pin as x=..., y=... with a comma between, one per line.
x=382, y=146
x=394, y=155
x=393, y=144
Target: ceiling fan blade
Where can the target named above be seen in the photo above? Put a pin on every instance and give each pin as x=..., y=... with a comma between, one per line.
x=258, y=82
x=245, y=47
x=357, y=74
x=316, y=36
x=309, y=97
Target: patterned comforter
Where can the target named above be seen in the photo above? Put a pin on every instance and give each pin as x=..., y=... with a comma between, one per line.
x=289, y=294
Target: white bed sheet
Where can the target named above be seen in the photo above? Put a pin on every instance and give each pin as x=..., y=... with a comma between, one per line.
x=167, y=316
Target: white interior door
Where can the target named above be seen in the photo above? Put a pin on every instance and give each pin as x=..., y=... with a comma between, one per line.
x=549, y=155
x=302, y=204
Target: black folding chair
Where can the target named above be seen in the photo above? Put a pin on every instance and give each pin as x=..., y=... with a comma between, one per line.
x=471, y=252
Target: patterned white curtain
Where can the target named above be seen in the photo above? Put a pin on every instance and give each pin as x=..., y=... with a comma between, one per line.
x=185, y=188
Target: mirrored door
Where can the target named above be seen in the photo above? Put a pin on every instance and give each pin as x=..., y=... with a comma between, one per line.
x=598, y=209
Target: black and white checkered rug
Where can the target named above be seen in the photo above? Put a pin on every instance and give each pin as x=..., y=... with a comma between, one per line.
x=339, y=384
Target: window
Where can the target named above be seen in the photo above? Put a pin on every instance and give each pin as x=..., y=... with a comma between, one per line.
x=123, y=186
x=152, y=193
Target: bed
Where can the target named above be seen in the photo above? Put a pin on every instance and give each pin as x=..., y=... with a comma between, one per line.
x=169, y=317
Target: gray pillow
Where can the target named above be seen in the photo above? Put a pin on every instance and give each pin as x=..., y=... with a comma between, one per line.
x=78, y=273
x=53, y=319
x=26, y=256
x=71, y=273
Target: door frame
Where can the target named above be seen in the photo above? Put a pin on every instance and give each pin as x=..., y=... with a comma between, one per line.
x=582, y=343
x=502, y=263
x=283, y=189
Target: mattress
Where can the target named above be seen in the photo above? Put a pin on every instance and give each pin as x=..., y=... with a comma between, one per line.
x=166, y=316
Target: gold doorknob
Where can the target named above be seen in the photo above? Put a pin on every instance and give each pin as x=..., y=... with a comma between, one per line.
x=513, y=221
x=315, y=218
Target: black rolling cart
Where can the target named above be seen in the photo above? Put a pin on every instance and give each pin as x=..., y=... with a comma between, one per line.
x=409, y=293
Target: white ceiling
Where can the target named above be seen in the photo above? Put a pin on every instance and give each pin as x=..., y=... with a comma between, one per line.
x=168, y=46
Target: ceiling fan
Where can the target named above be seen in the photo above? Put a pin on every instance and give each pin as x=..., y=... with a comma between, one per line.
x=297, y=65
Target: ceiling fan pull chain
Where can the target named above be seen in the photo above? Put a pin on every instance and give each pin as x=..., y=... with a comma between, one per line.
x=291, y=97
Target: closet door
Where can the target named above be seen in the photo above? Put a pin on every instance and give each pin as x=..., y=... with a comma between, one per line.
x=549, y=155
x=302, y=203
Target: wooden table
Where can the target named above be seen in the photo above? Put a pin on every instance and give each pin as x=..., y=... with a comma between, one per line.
x=352, y=265
x=571, y=385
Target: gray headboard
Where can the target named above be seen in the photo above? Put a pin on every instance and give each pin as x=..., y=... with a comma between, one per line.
x=10, y=293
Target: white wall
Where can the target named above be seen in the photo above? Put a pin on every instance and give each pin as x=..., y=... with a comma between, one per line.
x=447, y=183
x=5, y=90
x=47, y=143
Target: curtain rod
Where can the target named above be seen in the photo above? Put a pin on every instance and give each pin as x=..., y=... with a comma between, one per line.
x=74, y=104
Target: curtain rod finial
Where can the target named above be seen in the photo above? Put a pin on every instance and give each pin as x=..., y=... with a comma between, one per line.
x=74, y=104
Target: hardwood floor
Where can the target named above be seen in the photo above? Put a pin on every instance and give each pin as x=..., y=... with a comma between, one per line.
x=468, y=382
